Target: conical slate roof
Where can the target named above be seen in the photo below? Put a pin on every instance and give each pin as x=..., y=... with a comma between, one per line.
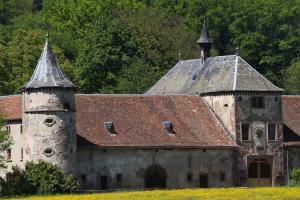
x=204, y=37
x=216, y=74
x=47, y=73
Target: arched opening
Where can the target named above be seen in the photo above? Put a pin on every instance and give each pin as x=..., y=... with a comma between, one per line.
x=259, y=173
x=155, y=177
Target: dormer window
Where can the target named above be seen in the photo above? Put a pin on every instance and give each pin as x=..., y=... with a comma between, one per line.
x=258, y=102
x=109, y=126
x=168, y=126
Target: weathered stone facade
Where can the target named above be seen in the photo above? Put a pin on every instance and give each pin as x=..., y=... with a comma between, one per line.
x=49, y=126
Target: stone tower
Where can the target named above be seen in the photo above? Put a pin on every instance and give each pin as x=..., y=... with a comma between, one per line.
x=49, y=114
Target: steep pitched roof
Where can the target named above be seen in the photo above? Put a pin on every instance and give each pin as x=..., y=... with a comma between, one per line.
x=11, y=107
x=138, y=121
x=47, y=72
x=216, y=74
x=291, y=114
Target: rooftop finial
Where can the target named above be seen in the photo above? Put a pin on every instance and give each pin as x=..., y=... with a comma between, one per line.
x=237, y=50
x=179, y=56
x=204, y=42
x=47, y=37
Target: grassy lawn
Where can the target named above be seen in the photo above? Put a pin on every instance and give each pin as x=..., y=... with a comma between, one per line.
x=186, y=194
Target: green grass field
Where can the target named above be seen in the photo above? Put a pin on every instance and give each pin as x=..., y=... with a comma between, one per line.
x=186, y=194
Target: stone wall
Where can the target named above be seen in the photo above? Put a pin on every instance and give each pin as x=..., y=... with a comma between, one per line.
x=258, y=144
x=16, y=149
x=224, y=108
x=132, y=164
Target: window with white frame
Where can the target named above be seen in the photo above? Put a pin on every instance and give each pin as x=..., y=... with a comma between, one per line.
x=272, y=131
x=245, y=131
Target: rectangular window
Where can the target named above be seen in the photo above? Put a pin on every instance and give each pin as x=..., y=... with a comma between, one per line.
x=189, y=177
x=119, y=178
x=271, y=131
x=21, y=153
x=8, y=130
x=21, y=129
x=245, y=129
x=257, y=102
x=8, y=157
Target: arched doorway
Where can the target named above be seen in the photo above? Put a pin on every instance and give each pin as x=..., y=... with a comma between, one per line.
x=259, y=173
x=155, y=177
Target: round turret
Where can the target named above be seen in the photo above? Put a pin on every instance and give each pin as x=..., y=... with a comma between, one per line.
x=49, y=114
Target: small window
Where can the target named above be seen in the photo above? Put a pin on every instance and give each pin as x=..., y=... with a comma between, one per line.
x=168, y=126
x=226, y=105
x=83, y=178
x=8, y=157
x=189, y=177
x=271, y=131
x=21, y=128
x=240, y=98
x=276, y=99
x=8, y=130
x=245, y=129
x=222, y=176
x=119, y=178
x=21, y=154
x=257, y=102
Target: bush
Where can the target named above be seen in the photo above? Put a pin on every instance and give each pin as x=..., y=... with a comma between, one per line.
x=37, y=178
x=295, y=177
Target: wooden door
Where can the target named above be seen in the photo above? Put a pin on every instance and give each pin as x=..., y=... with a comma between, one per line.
x=259, y=174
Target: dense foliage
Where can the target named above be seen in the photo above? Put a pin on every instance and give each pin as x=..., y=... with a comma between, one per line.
x=125, y=46
x=5, y=142
x=295, y=177
x=36, y=178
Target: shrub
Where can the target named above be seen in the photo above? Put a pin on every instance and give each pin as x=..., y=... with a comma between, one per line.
x=295, y=177
x=37, y=178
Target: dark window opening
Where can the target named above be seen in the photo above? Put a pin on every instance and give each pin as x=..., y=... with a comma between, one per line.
x=272, y=131
x=21, y=129
x=265, y=171
x=204, y=150
x=226, y=105
x=49, y=121
x=104, y=182
x=8, y=157
x=119, y=178
x=257, y=102
x=240, y=98
x=276, y=98
x=203, y=178
x=189, y=177
x=21, y=153
x=245, y=131
x=83, y=178
x=222, y=176
x=259, y=169
x=67, y=106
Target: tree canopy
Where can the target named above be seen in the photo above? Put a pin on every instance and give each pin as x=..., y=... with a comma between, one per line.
x=125, y=46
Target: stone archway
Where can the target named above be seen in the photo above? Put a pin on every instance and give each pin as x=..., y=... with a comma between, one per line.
x=259, y=173
x=155, y=177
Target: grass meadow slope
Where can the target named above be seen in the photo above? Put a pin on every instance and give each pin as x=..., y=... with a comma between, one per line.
x=186, y=194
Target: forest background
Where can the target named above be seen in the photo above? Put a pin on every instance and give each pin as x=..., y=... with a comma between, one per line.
x=125, y=46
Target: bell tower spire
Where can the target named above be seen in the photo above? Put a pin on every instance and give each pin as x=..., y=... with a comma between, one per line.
x=204, y=43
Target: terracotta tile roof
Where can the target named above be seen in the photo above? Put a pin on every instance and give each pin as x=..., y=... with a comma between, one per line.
x=11, y=107
x=138, y=121
x=291, y=112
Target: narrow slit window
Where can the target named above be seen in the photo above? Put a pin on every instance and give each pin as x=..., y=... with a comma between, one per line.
x=245, y=129
x=271, y=131
x=119, y=178
x=8, y=157
x=21, y=153
x=189, y=177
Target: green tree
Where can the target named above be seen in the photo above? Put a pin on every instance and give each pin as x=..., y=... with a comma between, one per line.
x=292, y=78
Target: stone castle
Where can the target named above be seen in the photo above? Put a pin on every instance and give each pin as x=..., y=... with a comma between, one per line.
x=209, y=122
